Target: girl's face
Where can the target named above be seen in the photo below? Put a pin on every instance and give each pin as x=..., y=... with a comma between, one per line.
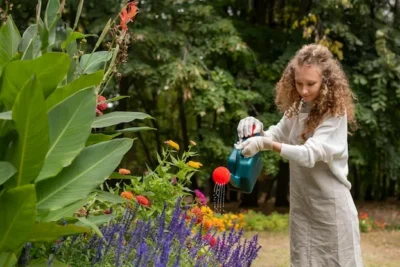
x=308, y=81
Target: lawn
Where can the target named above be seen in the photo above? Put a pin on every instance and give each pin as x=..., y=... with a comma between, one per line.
x=379, y=249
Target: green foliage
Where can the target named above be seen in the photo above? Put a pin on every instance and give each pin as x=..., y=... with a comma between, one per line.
x=49, y=167
x=255, y=221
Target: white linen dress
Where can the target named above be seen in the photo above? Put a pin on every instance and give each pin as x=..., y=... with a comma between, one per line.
x=324, y=227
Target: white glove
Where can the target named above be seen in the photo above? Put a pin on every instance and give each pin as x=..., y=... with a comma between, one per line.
x=255, y=144
x=245, y=127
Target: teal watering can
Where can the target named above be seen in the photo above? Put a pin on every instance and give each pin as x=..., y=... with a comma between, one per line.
x=244, y=171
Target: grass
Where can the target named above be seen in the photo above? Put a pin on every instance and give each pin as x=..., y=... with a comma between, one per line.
x=379, y=249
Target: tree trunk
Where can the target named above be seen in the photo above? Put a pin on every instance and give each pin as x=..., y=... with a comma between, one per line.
x=282, y=189
x=259, y=12
x=396, y=13
x=271, y=13
x=305, y=7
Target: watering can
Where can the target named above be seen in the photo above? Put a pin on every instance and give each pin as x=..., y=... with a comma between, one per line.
x=244, y=171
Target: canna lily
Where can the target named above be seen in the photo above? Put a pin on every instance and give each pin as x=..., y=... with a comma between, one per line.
x=127, y=15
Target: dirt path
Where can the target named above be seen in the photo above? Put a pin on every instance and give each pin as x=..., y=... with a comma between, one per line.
x=379, y=249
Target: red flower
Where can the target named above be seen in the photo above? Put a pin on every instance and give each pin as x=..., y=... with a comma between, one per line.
x=211, y=240
x=143, y=201
x=107, y=212
x=101, y=103
x=127, y=15
x=363, y=215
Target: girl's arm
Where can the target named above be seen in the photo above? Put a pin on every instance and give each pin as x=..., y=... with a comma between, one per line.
x=329, y=141
x=280, y=132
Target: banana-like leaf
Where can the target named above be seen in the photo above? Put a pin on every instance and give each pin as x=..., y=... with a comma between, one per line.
x=117, y=117
x=18, y=213
x=50, y=69
x=7, y=170
x=9, y=41
x=30, y=117
x=90, y=63
x=68, y=211
x=51, y=231
x=69, y=125
x=137, y=129
x=93, y=165
x=71, y=88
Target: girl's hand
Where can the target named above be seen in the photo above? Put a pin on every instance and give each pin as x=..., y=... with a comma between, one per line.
x=255, y=144
x=245, y=127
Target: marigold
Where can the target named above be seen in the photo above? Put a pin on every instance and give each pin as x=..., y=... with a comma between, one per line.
x=193, y=143
x=207, y=224
x=124, y=171
x=127, y=195
x=194, y=164
x=172, y=144
x=207, y=211
x=143, y=201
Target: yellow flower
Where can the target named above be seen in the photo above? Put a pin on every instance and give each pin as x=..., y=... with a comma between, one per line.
x=193, y=143
x=194, y=164
x=172, y=144
x=206, y=211
x=313, y=18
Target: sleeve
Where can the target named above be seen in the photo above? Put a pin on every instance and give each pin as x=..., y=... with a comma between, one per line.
x=280, y=132
x=328, y=143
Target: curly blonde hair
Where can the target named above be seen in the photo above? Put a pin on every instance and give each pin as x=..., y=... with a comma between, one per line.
x=335, y=96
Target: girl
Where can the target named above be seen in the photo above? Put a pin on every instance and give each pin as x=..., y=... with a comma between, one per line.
x=317, y=103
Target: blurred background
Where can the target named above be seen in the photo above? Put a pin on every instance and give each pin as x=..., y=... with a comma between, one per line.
x=199, y=66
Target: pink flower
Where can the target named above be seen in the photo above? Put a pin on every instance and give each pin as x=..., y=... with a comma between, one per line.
x=200, y=197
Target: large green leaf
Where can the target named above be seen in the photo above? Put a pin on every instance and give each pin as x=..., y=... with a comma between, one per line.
x=9, y=41
x=92, y=225
x=69, y=126
x=82, y=82
x=7, y=170
x=50, y=69
x=137, y=129
x=27, y=36
x=30, y=43
x=68, y=211
x=18, y=213
x=30, y=117
x=51, y=231
x=97, y=138
x=109, y=197
x=74, y=36
x=90, y=63
x=52, y=9
x=93, y=165
x=117, y=117
x=8, y=259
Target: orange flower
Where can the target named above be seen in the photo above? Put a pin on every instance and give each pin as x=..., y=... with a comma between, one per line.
x=127, y=15
x=143, y=201
x=207, y=224
x=127, y=195
x=124, y=171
